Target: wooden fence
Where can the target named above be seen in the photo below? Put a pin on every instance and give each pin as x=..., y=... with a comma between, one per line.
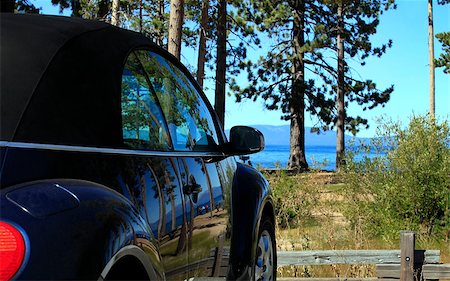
x=406, y=264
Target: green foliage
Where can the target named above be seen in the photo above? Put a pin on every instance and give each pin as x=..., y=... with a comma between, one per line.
x=444, y=39
x=294, y=197
x=408, y=187
x=149, y=17
x=444, y=59
x=89, y=9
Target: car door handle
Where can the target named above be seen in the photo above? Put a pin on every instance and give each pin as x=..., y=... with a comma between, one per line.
x=192, y=189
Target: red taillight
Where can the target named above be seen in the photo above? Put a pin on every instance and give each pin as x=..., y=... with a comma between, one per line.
x=12, y=250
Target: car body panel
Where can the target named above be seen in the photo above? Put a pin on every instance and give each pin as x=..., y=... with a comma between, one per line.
x=78, y=241
x=252, y=194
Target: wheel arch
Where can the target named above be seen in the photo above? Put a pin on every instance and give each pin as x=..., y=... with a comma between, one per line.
x=268, y=211
x=131, y=260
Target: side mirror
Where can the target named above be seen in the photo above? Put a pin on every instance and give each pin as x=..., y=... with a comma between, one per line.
x=245, y=140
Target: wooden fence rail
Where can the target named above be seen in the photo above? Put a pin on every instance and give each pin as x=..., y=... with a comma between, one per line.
x=351, y=257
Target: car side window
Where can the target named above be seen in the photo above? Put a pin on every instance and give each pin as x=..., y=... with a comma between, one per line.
x=143, y=124
x=190, y=123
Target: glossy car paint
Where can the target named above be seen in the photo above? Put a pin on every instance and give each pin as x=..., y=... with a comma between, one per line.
x=92, y=209
x=252, y=193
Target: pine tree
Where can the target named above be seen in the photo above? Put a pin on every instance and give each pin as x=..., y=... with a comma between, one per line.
x=279, y=78
x=444, y=39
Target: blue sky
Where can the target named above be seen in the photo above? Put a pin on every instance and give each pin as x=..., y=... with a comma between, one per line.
x=405, y=65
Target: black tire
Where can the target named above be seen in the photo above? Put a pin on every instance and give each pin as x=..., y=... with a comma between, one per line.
x=265, y=266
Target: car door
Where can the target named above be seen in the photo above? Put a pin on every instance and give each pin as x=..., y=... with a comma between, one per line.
x=196, y=141
x=153, y=182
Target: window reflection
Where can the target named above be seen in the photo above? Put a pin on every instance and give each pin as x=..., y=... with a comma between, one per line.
x=189, y=121
x=142, y=120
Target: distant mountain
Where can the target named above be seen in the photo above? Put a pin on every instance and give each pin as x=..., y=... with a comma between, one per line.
x=279, y=135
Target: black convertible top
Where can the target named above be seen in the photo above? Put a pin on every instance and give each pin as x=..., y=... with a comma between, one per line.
x=58, y=70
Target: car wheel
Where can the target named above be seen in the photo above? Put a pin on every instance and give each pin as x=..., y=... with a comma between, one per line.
x=265, y=268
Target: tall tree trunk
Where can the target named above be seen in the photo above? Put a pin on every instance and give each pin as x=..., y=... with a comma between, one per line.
x=175, y=27
x=340, y=142
x=174, y=210
x=115, y=13
x=181, y=246
x=202, y=43
x=162, y=215
x=219, y=104
x=190, y=225
x=184, y=227
x=7, y=6
x=431, y=55
x=297, y=158
x=144, y=207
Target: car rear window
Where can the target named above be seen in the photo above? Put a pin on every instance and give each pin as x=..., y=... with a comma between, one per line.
x=190, y=123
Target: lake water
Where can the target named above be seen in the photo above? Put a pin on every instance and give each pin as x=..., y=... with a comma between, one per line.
x=323, y=157
x=318, y=157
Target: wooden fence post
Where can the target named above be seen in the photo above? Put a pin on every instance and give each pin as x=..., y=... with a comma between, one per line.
x=407, y=247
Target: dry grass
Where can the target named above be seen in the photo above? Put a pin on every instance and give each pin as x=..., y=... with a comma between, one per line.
x=324, y=227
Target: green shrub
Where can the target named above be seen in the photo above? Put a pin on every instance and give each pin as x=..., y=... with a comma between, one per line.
x=407, y=187
x=294, y=198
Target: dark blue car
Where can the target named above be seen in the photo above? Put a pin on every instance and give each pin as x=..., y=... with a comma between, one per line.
x=113, y=165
